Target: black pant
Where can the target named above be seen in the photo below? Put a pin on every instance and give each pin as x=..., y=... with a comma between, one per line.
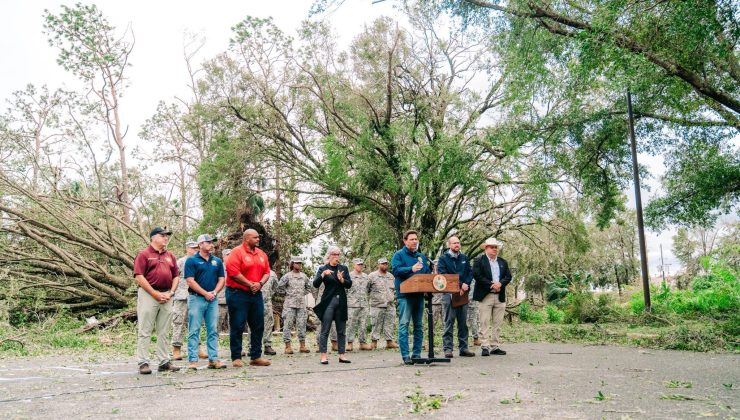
x=332, y=314
x=245, y=307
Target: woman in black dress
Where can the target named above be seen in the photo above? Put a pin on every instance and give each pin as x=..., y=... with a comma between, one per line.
x=333, y=305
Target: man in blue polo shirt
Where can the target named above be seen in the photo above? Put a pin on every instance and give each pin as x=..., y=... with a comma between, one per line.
x=407, y=262
x=205, y=276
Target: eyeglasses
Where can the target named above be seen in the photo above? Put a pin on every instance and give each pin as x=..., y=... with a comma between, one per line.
x=335, y=254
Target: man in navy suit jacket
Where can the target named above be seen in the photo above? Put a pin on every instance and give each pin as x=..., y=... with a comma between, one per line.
x=491, y=274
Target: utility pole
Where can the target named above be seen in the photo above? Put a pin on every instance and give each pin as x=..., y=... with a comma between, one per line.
x=662, y=264
x=638, y=205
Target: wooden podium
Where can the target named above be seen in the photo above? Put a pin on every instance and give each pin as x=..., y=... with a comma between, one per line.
x=429, y=284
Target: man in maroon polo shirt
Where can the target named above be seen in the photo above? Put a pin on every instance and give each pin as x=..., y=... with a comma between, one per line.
x=247, y=270
x=155, y=271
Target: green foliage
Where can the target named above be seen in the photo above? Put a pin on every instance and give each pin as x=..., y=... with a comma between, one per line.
x=581, y=306
x=553, y=314
x=527, y=314
x=421, y=402
x=557, y=289
x=714, y=295
x=662, y=52
x=702, y=183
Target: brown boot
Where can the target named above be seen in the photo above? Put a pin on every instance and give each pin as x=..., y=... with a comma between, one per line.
x=365, y=346
x=202, y=353
x=476, y=342
x=334, y=345
x=374, y=345
x=269, y=351
x=237, y=363
x=303, y=348
x=216, y=364
x=288, y=349
x=389, y=344
x=318, y=349
x=259, y=362
x=193, y=366
x=176, y=353
x=349, y=347
x=168, y=367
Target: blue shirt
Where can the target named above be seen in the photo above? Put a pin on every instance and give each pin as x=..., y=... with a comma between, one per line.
x=205, y=272
x=459, y=264
x=495, y=271
x=401, y=265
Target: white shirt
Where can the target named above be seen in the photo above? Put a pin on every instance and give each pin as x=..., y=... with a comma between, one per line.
x=495, y=272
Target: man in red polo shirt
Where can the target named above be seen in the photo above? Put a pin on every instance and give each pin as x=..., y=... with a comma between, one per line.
x=155, y=271
x=247, y=270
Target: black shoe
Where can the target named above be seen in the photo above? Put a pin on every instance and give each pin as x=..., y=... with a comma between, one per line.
x=168, y=367
x=484, y=352
x=344, y=361
x=407, y=361
x=466, y=353
x=449, y=355
x=498, y=352
x=144, y=369
x=269, y=351
x=324, y=362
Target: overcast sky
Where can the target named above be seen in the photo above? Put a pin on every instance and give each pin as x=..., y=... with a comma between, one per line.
x=158, y=71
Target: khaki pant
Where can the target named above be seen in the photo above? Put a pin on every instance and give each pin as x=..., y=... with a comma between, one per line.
x=153, y=315
x=490, y=309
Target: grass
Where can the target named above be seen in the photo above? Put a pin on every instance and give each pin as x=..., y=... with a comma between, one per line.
x=60, y=335
x=421, y=403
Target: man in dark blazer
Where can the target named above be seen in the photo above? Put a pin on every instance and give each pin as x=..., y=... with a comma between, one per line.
x=491, y=274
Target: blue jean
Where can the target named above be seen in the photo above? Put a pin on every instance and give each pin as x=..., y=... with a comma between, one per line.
x=459, y=314
x=199, y=310
x=410, y=308
x=245, y=308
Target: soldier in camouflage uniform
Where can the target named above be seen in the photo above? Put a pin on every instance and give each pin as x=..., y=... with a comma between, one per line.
x=473, y=316
x=223, y=310
x=381, y=295
x=180, y=303
x=267, y=291
x=333, y=333
x=295, y=284
x=357, y=306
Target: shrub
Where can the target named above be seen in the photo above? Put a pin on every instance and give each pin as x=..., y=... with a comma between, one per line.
x=553, y=314
x=527, y=314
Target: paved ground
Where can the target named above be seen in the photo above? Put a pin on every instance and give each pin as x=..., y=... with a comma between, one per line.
x=535, y=380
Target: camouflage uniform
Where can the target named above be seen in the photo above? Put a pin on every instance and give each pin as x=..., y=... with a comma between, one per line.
x=357, y=306
x=267, y=291
x=437, y=310
x=381, y=291
x=223, y=313
x=473, y=313
x=180, y=306
x=295, y=285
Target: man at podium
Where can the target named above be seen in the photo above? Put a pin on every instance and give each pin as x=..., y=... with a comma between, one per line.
x=407, y=262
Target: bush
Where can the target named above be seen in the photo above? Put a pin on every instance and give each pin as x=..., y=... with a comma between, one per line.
x=527, y=314
x=553, y=314
x=715, y=295
x=582, y=307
